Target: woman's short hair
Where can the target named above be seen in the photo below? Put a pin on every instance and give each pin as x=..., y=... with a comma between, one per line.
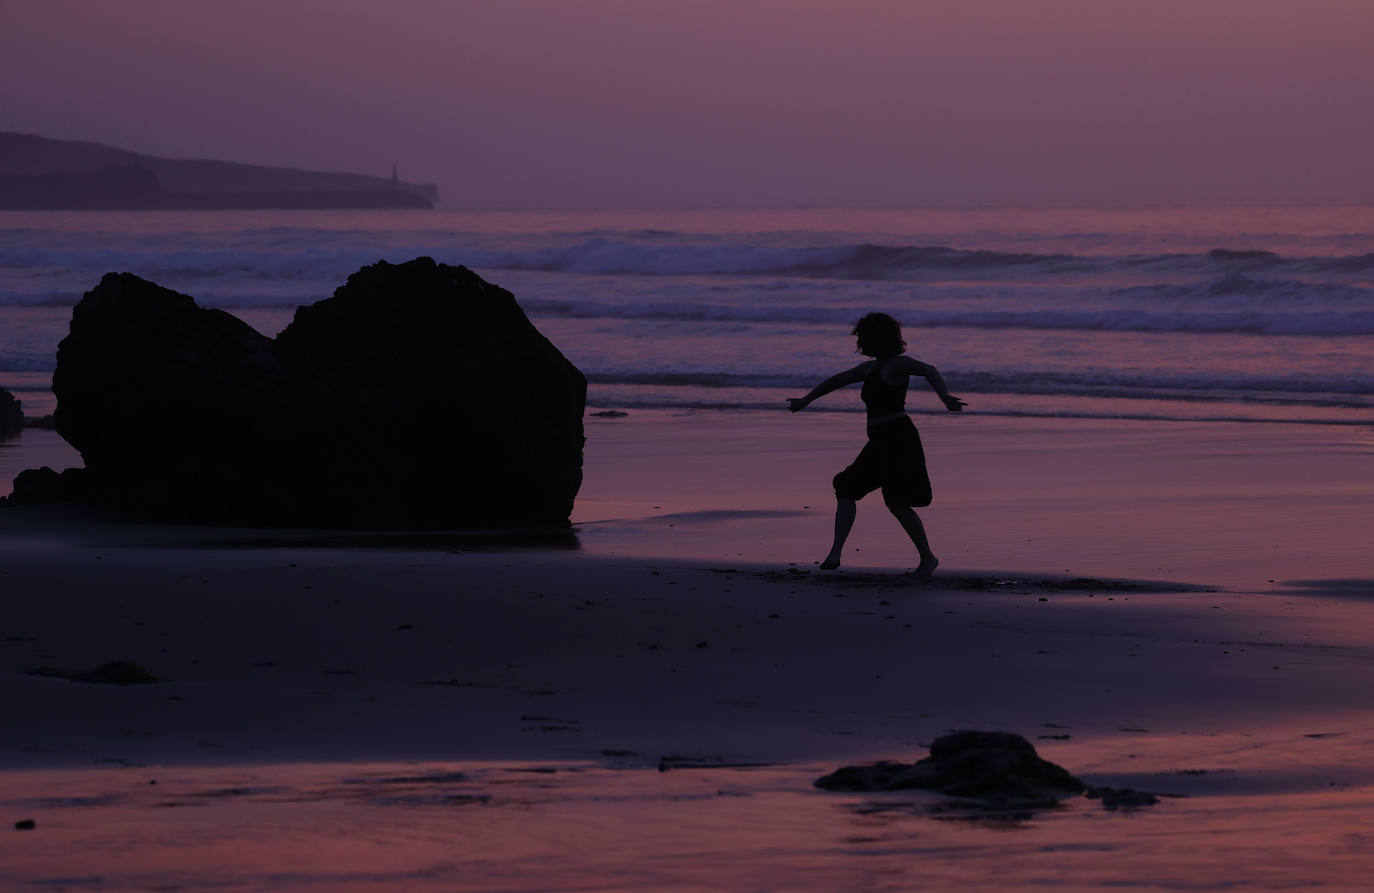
x=879, y=335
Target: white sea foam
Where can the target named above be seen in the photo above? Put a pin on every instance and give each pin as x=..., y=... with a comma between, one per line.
x=19, y=362
x=1122, y=319
x=1231, y=305
x=657, y=255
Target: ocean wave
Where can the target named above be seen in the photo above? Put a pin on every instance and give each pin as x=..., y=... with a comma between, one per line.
x=1237, y=320
x=1248, y=288
x=872, y=261
x=209, y=264
x=1233, y=304
x=1245, y=255
x=1347, y=390
x=327, y=257
x=862, y=261
x=42, y=298
x=26, y=363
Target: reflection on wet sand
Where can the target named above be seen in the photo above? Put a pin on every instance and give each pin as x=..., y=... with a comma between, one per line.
x=622, y=824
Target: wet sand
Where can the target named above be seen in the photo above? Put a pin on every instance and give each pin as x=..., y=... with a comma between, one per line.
x=1184, y=609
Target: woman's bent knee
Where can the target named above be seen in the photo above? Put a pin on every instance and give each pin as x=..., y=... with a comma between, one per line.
x=844, y=489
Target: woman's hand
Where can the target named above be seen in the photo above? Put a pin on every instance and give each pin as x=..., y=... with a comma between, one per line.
x=954, y=404
x=796, y=404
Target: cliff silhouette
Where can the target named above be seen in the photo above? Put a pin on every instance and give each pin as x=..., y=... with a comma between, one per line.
x=37, y=173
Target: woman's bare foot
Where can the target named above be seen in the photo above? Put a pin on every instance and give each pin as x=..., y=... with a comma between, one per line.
x=830, y=564
x=926, y=567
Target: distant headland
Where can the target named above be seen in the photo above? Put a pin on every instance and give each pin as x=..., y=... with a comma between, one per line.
x=40, y=174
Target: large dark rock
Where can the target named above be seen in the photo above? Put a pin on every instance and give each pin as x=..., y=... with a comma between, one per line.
x=11, y=414
x=443, y=401
x=419, y=396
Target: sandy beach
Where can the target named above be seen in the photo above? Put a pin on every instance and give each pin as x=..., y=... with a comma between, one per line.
x=648, y=709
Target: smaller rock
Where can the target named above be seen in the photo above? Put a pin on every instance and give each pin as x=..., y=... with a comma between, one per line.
x=43, y=486
x=988, y=771
x=25, y=825
x=11, y=414
x=119, y=672
x=1121, y=798
x=965, y=764
x=871, y=777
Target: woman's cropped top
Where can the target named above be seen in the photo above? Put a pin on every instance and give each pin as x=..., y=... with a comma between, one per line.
x=881, y=398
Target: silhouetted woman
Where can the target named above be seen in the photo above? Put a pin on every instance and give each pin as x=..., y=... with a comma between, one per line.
x=893, y=459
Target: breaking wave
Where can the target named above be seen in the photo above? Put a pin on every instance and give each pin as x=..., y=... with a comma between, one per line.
x=870, y=261
x=327, y=258
x=1306, y=310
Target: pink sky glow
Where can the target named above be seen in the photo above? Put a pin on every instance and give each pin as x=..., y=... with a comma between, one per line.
x=727, y=103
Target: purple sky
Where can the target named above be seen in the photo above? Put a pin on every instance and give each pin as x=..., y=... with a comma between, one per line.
x=727, y=103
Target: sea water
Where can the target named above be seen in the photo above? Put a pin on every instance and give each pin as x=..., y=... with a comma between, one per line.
x=1238, y=314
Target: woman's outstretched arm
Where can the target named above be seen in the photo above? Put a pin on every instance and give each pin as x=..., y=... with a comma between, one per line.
x=908, y=366
x=839, y=380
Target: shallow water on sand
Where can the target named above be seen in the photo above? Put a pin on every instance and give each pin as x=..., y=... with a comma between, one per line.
x=33, y=448
x=1238, y=505
x=526, y=827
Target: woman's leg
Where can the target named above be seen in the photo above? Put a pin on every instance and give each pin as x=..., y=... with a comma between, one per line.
x=911, y=523
x=845, y=510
